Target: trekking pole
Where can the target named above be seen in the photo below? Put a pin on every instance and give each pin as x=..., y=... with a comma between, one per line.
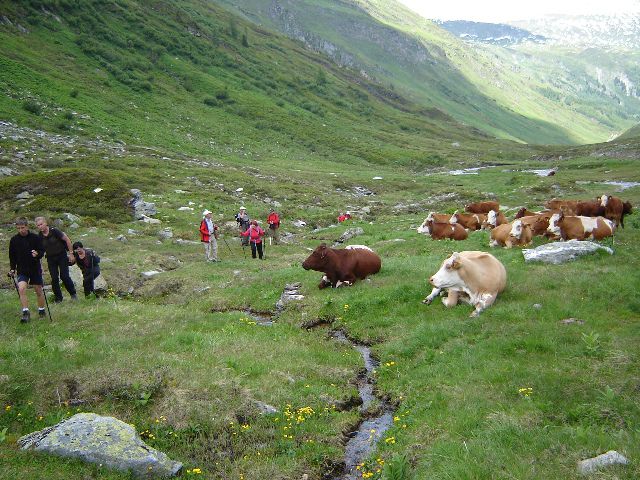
x=227, y=244
x=264, y=249
x=15, y=284
x=46, y=302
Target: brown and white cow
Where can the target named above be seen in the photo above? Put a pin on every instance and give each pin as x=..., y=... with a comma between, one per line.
x=435, y=217
x=494, y=219
x=471, y=221
x=482, y=207
x=472, y=277
x=538, y=223
x=441, y=230
x=615, y=209
x=342, y=266
x=568, y=227
x=510, y=235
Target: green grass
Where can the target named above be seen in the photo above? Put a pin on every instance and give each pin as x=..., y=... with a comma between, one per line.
x=181, y=350
x=177, y=355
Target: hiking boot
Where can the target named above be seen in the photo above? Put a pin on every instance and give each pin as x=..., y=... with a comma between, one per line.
x=74, y=297
x=42, y=313
x=26, y=316
x=57, y=300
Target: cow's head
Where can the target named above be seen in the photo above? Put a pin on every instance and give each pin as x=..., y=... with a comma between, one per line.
x=516, y=229
x=554, y=227
x=454, y=218
x=424, y=228
x=448, y=275
x=604, y=199
x=492, y=218
x=318, y=258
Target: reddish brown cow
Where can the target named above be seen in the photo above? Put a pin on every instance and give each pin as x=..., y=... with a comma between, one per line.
x=589, y=208
x=615, y=209
x=472, y=221
x=440, y=230
x=523, y=212
x=569, y=206
x=343, y=266
x=570, y=227
x=482, y=207
x=435, y=217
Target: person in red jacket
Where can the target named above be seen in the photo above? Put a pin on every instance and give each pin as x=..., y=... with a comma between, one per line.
x=209, y=236
x=255, y=234
x=273, y=220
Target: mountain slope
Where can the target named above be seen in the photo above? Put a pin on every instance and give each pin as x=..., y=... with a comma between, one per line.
x=388, y=42
x=194, y=78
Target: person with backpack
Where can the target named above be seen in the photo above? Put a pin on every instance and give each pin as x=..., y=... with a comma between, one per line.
x=209, y=236
x=89, y=264
x=59, y=252
x=254, y=234
x=273, y=220
x=243, y=221
x=25, y=252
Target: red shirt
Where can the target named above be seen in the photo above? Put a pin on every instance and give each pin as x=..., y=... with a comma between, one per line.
x=254, y=233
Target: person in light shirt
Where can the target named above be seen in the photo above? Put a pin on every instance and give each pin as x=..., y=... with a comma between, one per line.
x=209, y=236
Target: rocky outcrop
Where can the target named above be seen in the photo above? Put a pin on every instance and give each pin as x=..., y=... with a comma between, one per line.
x=102, y=440
x=141, y=209
x=561, y=252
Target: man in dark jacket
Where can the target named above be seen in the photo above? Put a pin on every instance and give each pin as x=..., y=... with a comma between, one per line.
x=25, y=252
x=89, y=264
x=58, y=248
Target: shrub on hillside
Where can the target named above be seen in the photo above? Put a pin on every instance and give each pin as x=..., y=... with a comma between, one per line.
x=32, y=106
x=211, y=102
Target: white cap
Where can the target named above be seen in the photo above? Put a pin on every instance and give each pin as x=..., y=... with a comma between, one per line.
x=206, y=212
x=242, y=208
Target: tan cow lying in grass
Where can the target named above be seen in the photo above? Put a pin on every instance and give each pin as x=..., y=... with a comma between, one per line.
x=510, y=235
x=471, y=277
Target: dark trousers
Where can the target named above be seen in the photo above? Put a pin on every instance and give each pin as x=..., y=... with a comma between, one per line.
x=256, y=246
x=87, y=282
x=59, y=269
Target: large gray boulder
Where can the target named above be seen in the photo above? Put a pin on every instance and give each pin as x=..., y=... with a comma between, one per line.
x=99, y=284
x=102, y=440
x=591, y=465
x=561, y=252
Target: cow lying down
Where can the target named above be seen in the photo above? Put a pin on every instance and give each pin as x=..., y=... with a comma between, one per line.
x=342, y=266
x=471, y=277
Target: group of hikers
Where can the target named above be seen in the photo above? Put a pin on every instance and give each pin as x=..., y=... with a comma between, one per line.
x=27, y=248
x=249, y=230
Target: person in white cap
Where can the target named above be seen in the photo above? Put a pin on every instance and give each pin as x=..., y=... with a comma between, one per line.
x=209, y=236
x=242, y=218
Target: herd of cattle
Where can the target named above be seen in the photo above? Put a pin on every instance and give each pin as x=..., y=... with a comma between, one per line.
x=562, y=219
x=476, y=277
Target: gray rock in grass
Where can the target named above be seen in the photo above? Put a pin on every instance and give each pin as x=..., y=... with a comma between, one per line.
x=561, y=252
x=590, y=465
x=102, y=440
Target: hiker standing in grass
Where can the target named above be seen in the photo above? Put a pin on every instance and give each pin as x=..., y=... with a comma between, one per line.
x=59, y=254
x=89, y=263
x=242, y=218
x=254, y=234
x=273, y=220
x=209, y=236
x=25, y=252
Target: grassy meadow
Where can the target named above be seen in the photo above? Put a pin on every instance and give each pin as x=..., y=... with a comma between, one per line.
x=515, y=393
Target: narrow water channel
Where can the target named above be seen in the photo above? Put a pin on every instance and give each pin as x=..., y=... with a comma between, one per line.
x=363, y=440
